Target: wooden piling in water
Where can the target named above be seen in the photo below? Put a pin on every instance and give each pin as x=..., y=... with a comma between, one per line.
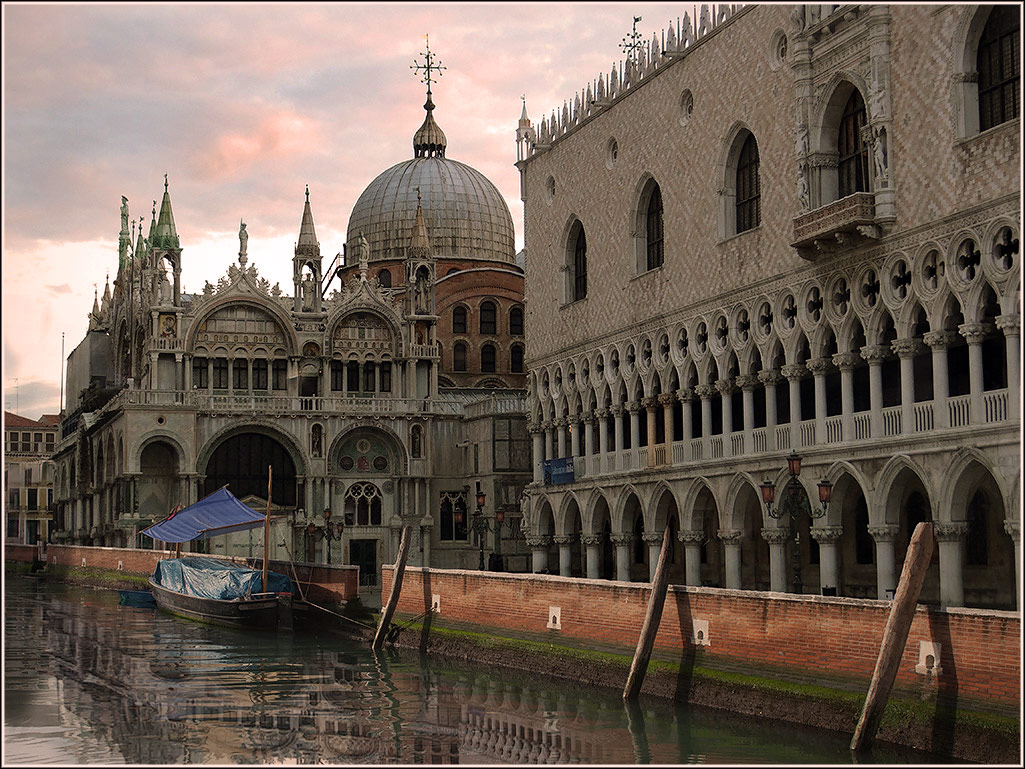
x=396, y=589
x=895, y=634
x=652, y=618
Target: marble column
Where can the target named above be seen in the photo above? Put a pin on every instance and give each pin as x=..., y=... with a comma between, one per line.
x=692, y=541
x=617, y=427
x=777, y=539
x=549, y=431
x=875, y=355
x=602, y=415
x=949, y=537
x=560, y=431
x=649, y=405
x=592, y=543
x=819, y=367
x=725, y=388
x=538, y=545
x=574, y=435
x=622, y=545
x=770, y=378
x=886, y=574
x=635, y=424
x=704, y=392
x=538, y=452
x=906, y=350
x=938, y=342
x=565, y=543
x=666, y=400
x=1011, y=326
x=747, y=384
x=731, y=555
x=654, y=542
x=974, y=333
x=1013, y=529
x=827, y=537
x=588, y=419
x=846, y=362
x=685, y=396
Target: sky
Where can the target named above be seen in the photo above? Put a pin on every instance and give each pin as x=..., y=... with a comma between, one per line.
x=242, y=105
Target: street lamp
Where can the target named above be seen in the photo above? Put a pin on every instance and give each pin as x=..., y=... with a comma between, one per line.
x=481, y=525
x=330, y=534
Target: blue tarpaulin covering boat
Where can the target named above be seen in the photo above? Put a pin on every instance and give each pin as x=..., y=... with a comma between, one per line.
x=213, y=578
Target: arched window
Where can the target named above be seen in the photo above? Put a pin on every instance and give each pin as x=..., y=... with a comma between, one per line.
x=487, y=318
x=516, y=359
x=579, y=288
x=416, y=434
x=487, y=358
x=459, y=320
x=459, y=357
x=749, y=211
x=516, y=321
x=363, y=505
x=384, y=276
x=999, y=63
x=653, y=229
x=852, y=161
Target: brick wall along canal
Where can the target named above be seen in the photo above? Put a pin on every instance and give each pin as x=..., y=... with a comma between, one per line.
x=90, y=681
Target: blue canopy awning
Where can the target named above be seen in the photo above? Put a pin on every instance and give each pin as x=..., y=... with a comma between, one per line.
x=219, y=513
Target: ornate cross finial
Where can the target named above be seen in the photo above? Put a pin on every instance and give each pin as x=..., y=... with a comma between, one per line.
x=632, y=43
x=430, y=65
x=307, y=193
x=165, y=182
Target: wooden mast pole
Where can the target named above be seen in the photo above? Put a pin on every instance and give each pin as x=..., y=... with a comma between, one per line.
x=266, y=528
x=646, y=641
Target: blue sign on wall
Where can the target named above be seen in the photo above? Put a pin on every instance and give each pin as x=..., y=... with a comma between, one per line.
x=557, y=471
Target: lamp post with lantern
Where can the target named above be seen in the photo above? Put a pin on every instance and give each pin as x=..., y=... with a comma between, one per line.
x=792, y=501
x=481, y=525
x=329, y=533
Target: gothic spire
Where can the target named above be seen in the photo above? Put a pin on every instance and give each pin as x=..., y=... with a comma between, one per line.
x=419, y=243
x=165, y=235
x=429, y=141
x=307, y=244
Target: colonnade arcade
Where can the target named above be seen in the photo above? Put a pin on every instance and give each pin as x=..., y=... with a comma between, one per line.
x=721, y=535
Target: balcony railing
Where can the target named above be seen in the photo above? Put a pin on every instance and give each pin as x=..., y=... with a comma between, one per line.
x=993, y=405
x=839, y=224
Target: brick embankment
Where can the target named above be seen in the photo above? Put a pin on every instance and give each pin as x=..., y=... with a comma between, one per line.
x=803, y=659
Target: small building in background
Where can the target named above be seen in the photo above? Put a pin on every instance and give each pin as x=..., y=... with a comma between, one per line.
x=28, y=476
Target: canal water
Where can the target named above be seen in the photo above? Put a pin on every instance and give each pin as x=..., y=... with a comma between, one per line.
x=90, y=681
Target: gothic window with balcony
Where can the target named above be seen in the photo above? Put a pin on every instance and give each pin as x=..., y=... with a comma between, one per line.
x=459, y=320
x=200, y=377
x=852, y=160
x=453, y=517
x=748, y=187
x=488, y=315
x=999, y=65
x=240, y=374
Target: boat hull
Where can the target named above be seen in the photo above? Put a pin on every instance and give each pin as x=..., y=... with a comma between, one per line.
x=263, y=612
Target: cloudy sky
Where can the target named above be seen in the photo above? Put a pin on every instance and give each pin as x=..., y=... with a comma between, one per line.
x=242, y=105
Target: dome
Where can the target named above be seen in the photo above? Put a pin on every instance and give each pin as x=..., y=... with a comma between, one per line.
x=466, y=215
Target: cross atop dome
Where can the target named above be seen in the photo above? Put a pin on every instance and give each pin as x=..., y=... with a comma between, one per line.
x=429, y=141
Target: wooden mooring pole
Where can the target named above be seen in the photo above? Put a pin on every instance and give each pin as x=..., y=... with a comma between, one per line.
x=396, y=589
x=651, y=621
x=895, y=634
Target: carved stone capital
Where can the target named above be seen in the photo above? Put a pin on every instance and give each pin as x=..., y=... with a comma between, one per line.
x=602, y=413
x=666, y=399
x=794, y=371
x=534, y=428
x=704, y=391
x=974, y=333
x=906, y=348
x=548, y=424
x=746, y=382
x=819, y=366
x=769, y=376
x=730, y=536
x=691, y=537
x=564, y=540
x=617, y=411
x=776, y=536
x=1009, y=324
x=560, y=423
x=648, y=403
x=846, y=361
x=939, y=340
x=886, y=533
x=685, y=395
x=590, y=540
x=875, y=353
x=652, y=537
x=1013, y=529
x=950, y=532
x=633, y=406
x=826, y=535
x=725, y=386
x=621, y=540
x=538, y=541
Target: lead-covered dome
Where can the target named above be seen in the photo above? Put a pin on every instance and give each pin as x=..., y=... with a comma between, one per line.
x=466, y=215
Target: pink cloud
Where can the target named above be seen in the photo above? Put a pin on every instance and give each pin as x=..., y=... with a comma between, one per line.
x=280, y=135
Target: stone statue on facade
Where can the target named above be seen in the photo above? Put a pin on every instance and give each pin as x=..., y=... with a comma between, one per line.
x=124, y=214
x=243, y=238
x=802, y=189
x=422, y=293
x=363, y=254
